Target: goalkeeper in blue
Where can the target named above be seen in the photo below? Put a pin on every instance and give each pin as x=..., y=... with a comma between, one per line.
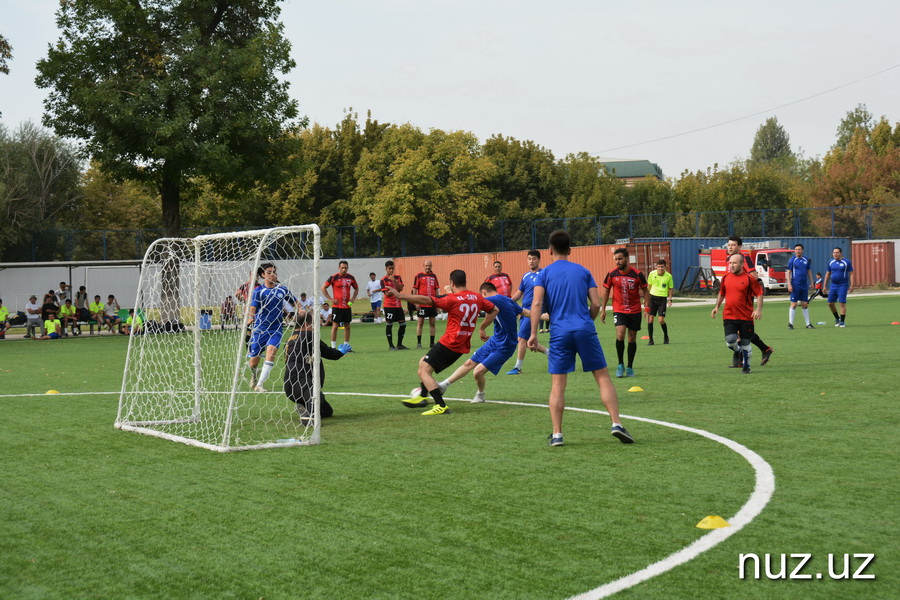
x=266, y=316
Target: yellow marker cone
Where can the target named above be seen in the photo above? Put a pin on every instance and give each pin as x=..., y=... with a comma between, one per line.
x=635, y=388
x=713, y=522
x=52, y=392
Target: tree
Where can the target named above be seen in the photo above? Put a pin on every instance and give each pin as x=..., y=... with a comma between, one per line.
x=167, y=90
x=5, y=55
x=858, y=118
x=771, y=144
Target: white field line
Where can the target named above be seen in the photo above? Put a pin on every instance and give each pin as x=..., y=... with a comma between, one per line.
x=762, y=493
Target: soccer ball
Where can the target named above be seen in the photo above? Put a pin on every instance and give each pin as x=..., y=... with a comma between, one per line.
x=416, y=393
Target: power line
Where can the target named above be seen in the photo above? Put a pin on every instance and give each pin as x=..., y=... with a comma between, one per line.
x=756, y=114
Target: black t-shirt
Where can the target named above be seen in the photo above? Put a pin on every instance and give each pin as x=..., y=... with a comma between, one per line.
x=299, y=355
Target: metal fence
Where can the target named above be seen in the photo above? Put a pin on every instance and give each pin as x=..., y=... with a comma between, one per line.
x=856, y=222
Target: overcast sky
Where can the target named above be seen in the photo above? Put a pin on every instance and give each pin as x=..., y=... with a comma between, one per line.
x=605, y=78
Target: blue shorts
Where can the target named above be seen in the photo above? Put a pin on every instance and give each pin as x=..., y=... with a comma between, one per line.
x=800, y=295
x=376, y=304
x=260, y=339
x=524, y=328
x=492, y=355
x=838, y=293
x=53, y=336
x=564, y=345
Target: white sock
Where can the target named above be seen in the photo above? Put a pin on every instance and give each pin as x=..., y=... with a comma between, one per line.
x=791, y=312
x=445, y=384
x=519, y=363
x=333, y=344
x=806, y=315
x=547, y=351
x=266, y=370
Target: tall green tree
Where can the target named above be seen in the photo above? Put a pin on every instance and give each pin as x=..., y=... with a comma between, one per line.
x=857, y=119
x=5, y=54
x=168, y=90
x=771, y=144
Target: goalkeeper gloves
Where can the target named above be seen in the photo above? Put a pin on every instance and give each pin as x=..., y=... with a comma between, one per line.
x=344, y=348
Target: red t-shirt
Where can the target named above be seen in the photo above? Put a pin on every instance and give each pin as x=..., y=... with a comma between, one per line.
x=502, y=282
x=739, y=291
x=340, y=289
x=426, y=284
x=462, y=311
x=388, y=284
x=626, y=289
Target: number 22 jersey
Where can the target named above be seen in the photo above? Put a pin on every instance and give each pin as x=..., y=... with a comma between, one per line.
x=462, y=311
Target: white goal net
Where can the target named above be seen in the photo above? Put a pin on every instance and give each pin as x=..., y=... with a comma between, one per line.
x=186, y=373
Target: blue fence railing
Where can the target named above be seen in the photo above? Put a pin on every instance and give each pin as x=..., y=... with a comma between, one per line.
x=857, y=222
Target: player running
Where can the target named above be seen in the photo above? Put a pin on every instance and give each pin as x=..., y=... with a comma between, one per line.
x=738, y=289
x=840, y=272
x=462, y=307
x=525, y=293
x=266, y=318
x=627, y=286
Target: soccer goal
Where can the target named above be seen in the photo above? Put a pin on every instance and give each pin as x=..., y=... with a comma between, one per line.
x=185, y=376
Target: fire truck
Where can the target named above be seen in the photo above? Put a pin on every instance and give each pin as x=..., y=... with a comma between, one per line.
x=769, y=260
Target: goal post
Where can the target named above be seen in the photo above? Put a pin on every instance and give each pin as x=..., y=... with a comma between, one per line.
x=186, y=377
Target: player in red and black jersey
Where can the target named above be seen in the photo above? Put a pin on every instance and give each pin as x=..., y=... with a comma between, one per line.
x=393, y=308
x=462, y=307
x=735, y=245
x=737, y=289
x=344, y=287
x=426, y=284
x=628, y=285
x=500, y=280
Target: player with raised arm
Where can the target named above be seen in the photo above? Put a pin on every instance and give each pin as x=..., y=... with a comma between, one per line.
x=266, y=319
x=425, y=284
x=569, y=292
x=393, y=308
x=737, y=289
x=345, y=289
x=500, y=280
x=799, y=274
x=496, y=350
x=840, y=273
x=525, y=293
x=462, y=307
x=627, y=285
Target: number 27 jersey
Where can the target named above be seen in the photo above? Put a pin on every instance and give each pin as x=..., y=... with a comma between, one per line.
x=462, y=314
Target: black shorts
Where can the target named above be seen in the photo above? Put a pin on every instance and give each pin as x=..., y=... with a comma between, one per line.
x=629, y=320
x=744, y=329
x=658, y=305
x=341, y=315
x=394, y=315
x=440, y=357
x=300, y=392
x=427, y=311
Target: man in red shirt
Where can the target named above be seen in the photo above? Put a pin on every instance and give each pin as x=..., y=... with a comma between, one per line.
x=737, y=289
x=344, y=287
x=500, y=280
x=462, y=308
x=393, y=309
x=425, y=284
x=627, y=285
x=735, y=245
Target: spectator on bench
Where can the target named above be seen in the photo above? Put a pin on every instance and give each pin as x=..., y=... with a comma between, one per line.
x=67, y=317
x=64, y=292
x=134, y=324
x=97, y=310
x=82, y=305
x=33, y=316
x=52, y=326
x=48, y=306
x=112, y=314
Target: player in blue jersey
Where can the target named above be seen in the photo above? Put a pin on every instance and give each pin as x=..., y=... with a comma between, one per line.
x=266, y=315
x=799, y=274
x=497, y=349
x=566, y=289
x=525, y=293
x=840, y=272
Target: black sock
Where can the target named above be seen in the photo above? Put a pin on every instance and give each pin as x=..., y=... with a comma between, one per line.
x=757, y=341
x=438, y=396
x=389, y=331
x=632, y=350
x=400, y=333
x=650, y=330
x=432, y=340
x=665, y=329
x=419, y=338
x=843, y=317
x=836, y=316
x=620, y=350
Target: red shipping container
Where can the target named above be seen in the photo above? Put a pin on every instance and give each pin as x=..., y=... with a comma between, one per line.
x=873, y=263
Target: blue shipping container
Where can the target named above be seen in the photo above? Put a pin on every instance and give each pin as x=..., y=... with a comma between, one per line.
x=685, y=252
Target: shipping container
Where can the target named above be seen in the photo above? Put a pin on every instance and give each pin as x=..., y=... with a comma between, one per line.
x=873, y=263
x=685, y=252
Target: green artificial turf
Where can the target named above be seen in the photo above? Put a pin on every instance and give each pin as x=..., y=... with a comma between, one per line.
x=473, y=504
